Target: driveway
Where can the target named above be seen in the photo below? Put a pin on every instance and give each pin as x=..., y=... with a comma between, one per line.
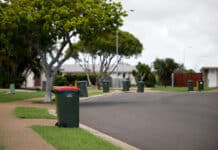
x=156, y=121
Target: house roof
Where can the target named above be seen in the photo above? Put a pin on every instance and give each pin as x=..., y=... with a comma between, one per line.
x=76, y=68
x=208, y=67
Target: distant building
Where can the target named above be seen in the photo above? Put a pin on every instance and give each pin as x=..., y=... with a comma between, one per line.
x=210, y=76
x=124, y=71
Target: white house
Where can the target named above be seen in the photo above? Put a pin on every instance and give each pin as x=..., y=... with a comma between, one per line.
x=33, y=82
x=124, y=71
x=210, y=76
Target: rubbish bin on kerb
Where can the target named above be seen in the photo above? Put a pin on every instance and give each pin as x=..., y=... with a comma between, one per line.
x=200, y=85
x=106, y=86
x=190, y=85
x=12, y=88
x=140, y=86
x=67, y=106
x=83, y=88
x=126, y=85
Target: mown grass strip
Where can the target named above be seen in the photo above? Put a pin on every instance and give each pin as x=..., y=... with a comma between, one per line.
x=33, y=113
x=18, y=96
x=170, y=89
x=72, y=139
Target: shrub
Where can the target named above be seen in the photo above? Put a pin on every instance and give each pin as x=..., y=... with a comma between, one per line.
x=60, y=80
x=150, y=81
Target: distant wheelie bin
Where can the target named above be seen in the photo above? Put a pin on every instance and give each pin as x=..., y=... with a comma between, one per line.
x=126, y=85
x=106, y=86
x=140, y=87
x=200, y=85
x=67, y=106
x=83, y=88
x=190, y=85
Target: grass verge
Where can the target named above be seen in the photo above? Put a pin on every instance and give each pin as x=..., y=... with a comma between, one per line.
x=179, y=89
x=94, y=91
x=211, y=89
x=33, y=113
x=170, y=89
x=5, y=97
x=72, y=138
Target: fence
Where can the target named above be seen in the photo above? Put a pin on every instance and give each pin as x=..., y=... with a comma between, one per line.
x=181, y=79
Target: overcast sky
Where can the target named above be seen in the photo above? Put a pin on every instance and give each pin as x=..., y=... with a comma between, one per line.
x=185, y=30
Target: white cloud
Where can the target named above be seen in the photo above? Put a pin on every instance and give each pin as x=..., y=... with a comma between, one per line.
x=184, y=30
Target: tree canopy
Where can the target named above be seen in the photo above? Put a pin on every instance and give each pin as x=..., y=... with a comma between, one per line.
x=164, y=69
x=16, y=55
x=143, y=73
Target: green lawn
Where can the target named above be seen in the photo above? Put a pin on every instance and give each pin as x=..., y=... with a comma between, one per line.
x=170, y=89
x=178, y=89
x=72, y=139
x=94, y=91
x=33, y=113
x=211, y=89
x=5, y=97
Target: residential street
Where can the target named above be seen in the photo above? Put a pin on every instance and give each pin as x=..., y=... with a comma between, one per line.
x=156, y=121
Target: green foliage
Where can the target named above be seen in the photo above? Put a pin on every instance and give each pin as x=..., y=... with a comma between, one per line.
x=72, y=138
x=60, y=80
x=143, y=73
x=33, y=113
x=71, y=78
x=189, y=71
x=164, y=69
x=151, y=80
x=128, y=45
x=16, y=55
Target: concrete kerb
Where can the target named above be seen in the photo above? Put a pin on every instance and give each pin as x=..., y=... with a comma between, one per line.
x=104, y=136
x=108, y=138
x=87, y=99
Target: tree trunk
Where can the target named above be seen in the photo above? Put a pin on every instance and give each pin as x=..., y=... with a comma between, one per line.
x=49, y=85
x=98, y=82
x=88, y=78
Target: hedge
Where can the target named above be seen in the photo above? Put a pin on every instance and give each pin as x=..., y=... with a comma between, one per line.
x=71, y=78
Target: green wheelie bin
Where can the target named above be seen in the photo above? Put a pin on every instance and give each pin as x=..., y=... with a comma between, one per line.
x=126, y=85
x=106, y=86
x=200, y=85
x=83, y=88
x=140, y=86
x=12, y=88
x=190, y=85
x=67, y=106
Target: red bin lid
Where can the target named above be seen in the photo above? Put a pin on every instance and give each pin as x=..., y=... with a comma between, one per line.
x=66, y=88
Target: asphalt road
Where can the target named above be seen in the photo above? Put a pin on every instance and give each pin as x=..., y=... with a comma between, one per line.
x=156, y=121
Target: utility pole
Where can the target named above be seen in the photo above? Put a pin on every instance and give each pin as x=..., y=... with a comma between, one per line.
x=117, y=50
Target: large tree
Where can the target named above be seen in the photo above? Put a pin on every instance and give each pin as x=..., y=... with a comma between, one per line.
x=52, y=23
x=101, y=52
x=164, y=69
x=16, y=56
